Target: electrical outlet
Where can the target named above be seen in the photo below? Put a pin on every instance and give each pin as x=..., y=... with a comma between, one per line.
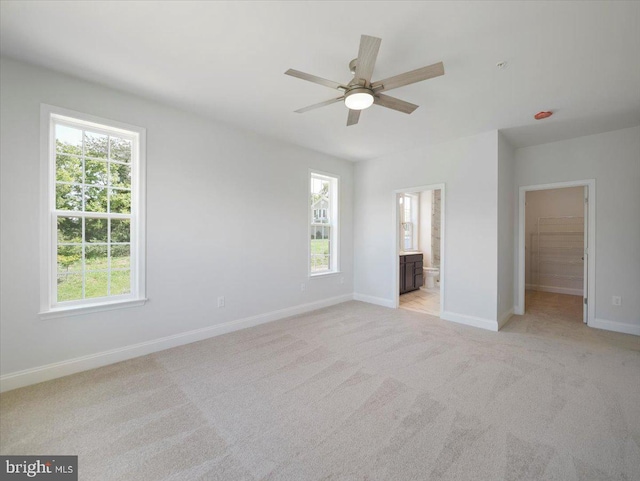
x=221, y=301
x=616, y=300
x=303, y=287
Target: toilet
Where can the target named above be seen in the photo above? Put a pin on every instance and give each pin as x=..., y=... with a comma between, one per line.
x=430, y=276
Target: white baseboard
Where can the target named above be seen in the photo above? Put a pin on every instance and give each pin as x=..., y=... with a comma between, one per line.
x=447, y=316
x=92, y=361
x=379, y=301
x=504, y=318
x=480, y=322
x=615, y=326
x=555, y=290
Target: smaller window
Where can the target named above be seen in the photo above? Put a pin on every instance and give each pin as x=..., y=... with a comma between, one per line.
x=323, y=248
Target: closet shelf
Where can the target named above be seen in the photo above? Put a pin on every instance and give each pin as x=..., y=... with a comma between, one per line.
x=561, y=261
x=557, y=248
x=561, y=276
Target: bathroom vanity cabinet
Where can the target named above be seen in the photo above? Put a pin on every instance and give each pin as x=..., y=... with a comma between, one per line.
x=410, y=272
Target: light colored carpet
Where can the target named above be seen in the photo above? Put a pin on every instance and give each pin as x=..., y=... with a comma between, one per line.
x=353, y=392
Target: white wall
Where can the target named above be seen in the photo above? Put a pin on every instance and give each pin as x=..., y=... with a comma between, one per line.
x=568, y=201
x=209, y=232
x=425, y=226
x=613, y=160
x=468, y=167
x=506, y=229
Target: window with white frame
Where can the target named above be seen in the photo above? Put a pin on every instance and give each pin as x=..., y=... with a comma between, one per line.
x=323, y=199
x=94, y=247
x=408, y=218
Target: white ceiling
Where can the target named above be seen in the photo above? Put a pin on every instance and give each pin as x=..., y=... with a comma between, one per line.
x=226, y=60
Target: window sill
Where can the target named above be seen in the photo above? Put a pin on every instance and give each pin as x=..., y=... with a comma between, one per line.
x=88, y=309
x=324, y=274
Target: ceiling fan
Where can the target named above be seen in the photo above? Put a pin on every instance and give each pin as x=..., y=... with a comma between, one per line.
x=361, y=92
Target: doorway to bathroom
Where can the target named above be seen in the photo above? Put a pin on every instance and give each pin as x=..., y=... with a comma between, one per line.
x=419, y=249
x=556, y=255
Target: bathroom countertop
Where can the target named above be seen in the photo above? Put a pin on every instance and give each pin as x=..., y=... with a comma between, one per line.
x=409, y=253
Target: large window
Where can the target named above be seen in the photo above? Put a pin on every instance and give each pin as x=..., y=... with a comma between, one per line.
x=94, y=223
x=323, y=200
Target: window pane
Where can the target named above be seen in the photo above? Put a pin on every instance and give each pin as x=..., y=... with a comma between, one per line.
x=322, y=263
x=121, y=175
x=95, y=172
x=120, y=256
x=120, y=201
x=96, y=258
x=120, y=230
x=120, y=149
x=68, y=140
x=316, y=246
x=96, y=284
x=320, y=246
x=95, y=145
x=315, y=185
x=68, y=197
x=95, y=230
x=69, y=259
x=96, y=200
x=68, y=168
x=120, y=282
x=69, y=229
x=69, y=287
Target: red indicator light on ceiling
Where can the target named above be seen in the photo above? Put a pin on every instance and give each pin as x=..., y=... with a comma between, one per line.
x=542, y=115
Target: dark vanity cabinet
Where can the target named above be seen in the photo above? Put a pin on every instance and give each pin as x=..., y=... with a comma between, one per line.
x=410, y=272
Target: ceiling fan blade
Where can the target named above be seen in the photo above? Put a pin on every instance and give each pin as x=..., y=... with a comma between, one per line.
x=315, y=79
x=317, y=106
x=408, y=78
x=367, y=55
x=354, y=116
x=394, y=103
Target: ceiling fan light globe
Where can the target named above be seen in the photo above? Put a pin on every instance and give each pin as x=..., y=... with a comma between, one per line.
x=358, y=99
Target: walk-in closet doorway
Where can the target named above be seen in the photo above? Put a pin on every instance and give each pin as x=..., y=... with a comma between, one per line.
x=556, y=250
